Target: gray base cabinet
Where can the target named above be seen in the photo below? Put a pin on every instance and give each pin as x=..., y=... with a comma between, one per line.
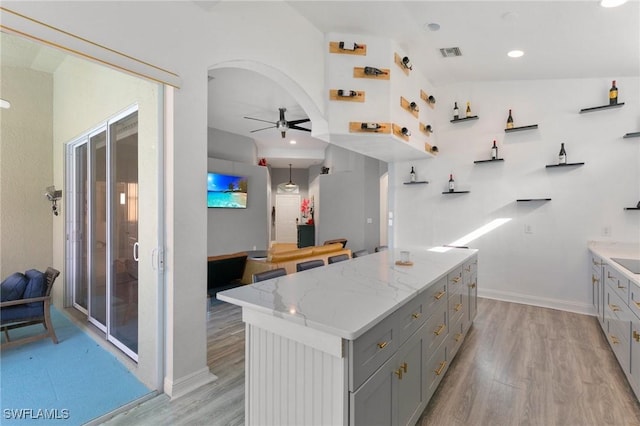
x=397, y=366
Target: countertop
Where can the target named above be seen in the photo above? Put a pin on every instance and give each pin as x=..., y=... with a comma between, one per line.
x=607, y=250
x=347, y=298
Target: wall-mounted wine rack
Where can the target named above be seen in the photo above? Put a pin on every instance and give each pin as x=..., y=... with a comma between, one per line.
x=455, y=192
x=632, y=135
x=397, y=131
x=632, y=208
x=430, y=149
x=406, y=105
x=600, y=108
x=493, y=160
x=356, y=127
x=423, y=129
x=429, y=99
x=548, y=166
x=529, y=200
x=398, y=60
x=417, y=182
x=521, y=128
x=334, y=47
x=358, y=72
x=359, y=97
x=457, y=120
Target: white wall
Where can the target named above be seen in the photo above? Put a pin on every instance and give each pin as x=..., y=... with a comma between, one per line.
x=230, y=146
x=549, y=266
x=234, y=230
x=26, y=169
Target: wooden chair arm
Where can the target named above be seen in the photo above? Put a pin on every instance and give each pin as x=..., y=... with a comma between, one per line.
x=24, y=301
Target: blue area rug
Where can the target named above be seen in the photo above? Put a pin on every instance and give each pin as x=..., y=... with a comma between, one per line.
x=69, y=383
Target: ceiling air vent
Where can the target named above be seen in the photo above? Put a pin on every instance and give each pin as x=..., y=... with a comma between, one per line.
x=449, y=52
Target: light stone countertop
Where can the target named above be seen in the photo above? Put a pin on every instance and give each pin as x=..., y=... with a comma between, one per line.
x=347, y=298
x=607, y=250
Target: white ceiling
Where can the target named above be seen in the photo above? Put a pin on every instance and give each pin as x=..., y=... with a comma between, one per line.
x=561, y=39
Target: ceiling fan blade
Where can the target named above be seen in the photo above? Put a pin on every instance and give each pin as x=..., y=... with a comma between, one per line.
x=302, y=120
x=257, y=119
x=264, y=128
x=298, y=128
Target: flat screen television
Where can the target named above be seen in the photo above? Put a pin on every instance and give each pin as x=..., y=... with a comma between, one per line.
x=226, y=191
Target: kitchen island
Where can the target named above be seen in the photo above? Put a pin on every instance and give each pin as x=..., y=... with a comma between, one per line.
x=364, y=341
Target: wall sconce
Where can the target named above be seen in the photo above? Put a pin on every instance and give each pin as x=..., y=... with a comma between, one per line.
x=53, y=195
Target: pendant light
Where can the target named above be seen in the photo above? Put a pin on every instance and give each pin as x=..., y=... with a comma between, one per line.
x=290, y=186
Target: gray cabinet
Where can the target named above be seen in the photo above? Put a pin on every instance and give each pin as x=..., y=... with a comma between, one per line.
x=396, y=367
x=306, y=235
x=597, y=286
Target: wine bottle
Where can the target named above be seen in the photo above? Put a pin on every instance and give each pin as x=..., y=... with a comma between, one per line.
x=613, y=93
x=412, y=175
x=347, y=93
x=348, y=45
x=494, y=151
x=562, y=157
x=510, y=121
x=405, y=131
x=468, y=112
x=456, y=111
x=373, y=71
x=452, y=184
x=428, y=128
x=370, y=126
x=407, y=63
x=414, y=107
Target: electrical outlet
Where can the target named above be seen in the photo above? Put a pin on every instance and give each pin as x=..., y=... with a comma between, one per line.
x=528, y=229
x=369, y=220
x=606, y=231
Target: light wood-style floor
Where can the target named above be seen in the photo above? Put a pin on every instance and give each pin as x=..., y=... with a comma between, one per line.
x=519, y=365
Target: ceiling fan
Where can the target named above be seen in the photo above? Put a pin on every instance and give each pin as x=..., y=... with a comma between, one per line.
x=283, y=124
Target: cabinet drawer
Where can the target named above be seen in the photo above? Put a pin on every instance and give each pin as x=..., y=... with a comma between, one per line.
x=617, y=282
x=434, y=295
x=455, y=337
x=456, y=306
x=615, y=307
x=619, y=338
x=454, y=281
x=435, y=368
x=469, y=268
x=634, y=299
x=435, y=330
x=371, y=350
x=409, y=318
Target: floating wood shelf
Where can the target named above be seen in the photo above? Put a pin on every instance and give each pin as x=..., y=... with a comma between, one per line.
x=598, y=108
x=425, y=97
x=564, y=165
x=334, y=47
x=398, y=60
x=406, y=105
x=632, y=135
x=526, y=200
x=397, y=131
x=359, y=97
x=418, y=182
x=489, y=161
x=356, y=127
x=423, y=129
x=358, y=72
x=456, y=192
x=473, y=117
x=632, y=208
x=521, y=128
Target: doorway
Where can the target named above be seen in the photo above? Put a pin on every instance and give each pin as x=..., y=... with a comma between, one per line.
x=287, y=218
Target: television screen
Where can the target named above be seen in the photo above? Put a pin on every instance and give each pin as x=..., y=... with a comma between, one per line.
x=226, y=191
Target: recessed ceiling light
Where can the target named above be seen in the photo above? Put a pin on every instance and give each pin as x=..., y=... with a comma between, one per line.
x=292, y=142
x=612, y=3
x=432, y=26
x=5, y=104
x=515, y=53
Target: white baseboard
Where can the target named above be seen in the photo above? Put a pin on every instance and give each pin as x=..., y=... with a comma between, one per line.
x=562, y=305
x=184, y=385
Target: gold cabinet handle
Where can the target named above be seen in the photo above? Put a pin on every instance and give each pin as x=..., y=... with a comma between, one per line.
x=609, y=275
x=614, y=340
x=594, y=280
x=458, y=307
x=621, y=286
x=636, y=336
x=458, y=337
x=382, y=345
x=404, y=366
x=456, y=279
x=614, y=308
x=637, y=304
x=439, y=295
x=439, y=330
x=438, y=371
x=472, y=285
x=416, y=315
x=399, y=373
